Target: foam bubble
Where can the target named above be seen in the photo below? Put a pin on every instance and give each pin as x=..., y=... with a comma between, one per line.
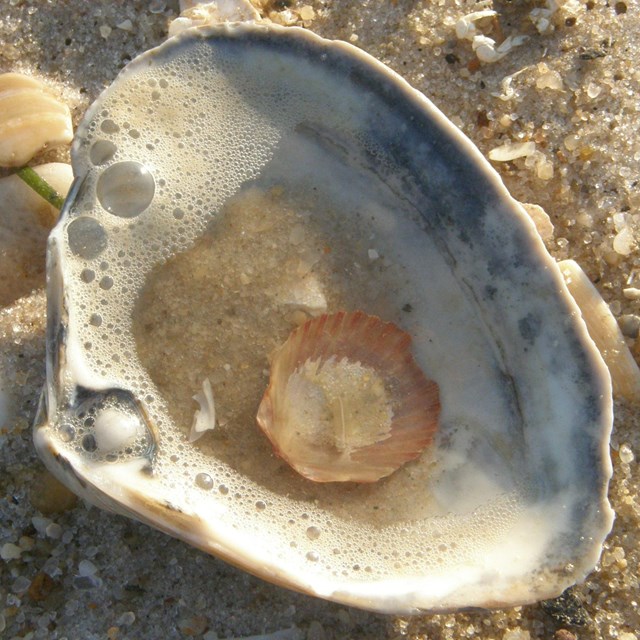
x=126, y=189
x=102, y=151
x=87, y=237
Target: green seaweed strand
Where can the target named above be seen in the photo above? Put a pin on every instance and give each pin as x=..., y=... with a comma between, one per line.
x=41, y=187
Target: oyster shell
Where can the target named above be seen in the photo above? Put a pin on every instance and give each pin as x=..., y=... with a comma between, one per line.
x=234, y=163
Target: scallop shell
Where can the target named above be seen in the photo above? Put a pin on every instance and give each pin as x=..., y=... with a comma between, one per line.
x=346, y=400
x=264, y=158
x=30, y=118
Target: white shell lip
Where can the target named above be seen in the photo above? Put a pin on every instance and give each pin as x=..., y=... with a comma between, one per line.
x=588, y=463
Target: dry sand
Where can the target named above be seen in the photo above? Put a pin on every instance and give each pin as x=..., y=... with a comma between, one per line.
x=82, y=573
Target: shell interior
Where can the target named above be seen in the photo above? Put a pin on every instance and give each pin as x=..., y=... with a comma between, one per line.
x=239, y=180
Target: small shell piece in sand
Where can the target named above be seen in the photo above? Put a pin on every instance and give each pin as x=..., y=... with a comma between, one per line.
x=541, y=219
x=604, y=331
x=30, y=118
x=196, y=13
x=346, y=400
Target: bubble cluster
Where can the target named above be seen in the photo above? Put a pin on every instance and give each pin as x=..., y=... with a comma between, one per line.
x=107, y=427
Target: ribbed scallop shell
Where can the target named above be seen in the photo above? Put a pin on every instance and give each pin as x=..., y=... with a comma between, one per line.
x=346, y=400
x=30, y=118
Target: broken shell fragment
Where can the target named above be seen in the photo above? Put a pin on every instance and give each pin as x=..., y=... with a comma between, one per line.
x=244, y=159
x=204, y=418
x=605, y=332
x=346, y=400
x=30, y=118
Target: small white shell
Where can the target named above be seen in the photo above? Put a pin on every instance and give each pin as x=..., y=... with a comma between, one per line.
x=30, y=118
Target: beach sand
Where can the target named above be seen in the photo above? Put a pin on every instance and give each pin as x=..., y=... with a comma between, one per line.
x=80, y=573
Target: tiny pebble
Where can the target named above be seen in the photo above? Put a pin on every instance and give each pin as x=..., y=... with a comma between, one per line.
x=20, y=584
x=626, y=454
x=41, y=586
x=373, y=254
x=54, y=531
x=84, y=583
x=316, y=631
x=516, y=634
x=193, y=625
x=564, y=634
x=10, y=551
x=344, y=616
x=40, y=524
x=307, y=13
x=125, y=25
x=126, y=619
x=157, y=6
x=631, y=293
x=627, y=635
x=26, y=543
x=550, y=80
x=87, y=568
x=629, y=325
x=105, y=31
x=624, y=242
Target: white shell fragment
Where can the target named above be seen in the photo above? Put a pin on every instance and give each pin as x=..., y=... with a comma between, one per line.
x=512, y=151
x=30, y=118
x=466, y=26
x=204, y=418
x=605, y=331
x=198, y=13
x=486, y=49
x=541, y=219
x=236, y=161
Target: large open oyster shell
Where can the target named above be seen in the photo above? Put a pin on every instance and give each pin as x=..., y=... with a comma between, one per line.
x=241, y=178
